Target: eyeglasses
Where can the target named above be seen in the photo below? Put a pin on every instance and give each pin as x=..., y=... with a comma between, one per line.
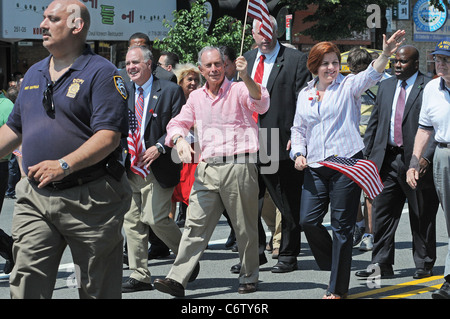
x=47, y=100
x=439, y=59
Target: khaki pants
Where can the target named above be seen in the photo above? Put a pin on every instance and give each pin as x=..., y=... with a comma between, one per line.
x=217, y=187
x=88, y=219
x=150, y=207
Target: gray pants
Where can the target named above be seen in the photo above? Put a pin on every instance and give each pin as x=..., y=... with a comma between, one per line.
x=233, y=187
x=87, y=218
x=441, y=174
x=150, y=207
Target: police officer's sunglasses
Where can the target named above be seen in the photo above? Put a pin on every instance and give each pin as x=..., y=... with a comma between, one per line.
x=47, y=100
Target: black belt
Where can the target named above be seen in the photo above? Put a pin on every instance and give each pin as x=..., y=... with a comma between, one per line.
x=81, y=177
x=236, y=159
x=445, y=145
x=395, y=149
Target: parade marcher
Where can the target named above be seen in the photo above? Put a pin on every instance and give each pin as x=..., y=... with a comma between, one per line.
x=152, y=173
x=389, y=141
x=226, y=176
x=70, y=116
x=435, y=119
x=284, y=73
x=327, y=123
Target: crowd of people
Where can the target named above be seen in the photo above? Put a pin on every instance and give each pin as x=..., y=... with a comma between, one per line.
x=110, y=150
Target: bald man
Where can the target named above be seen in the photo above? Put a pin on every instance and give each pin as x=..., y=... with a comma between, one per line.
x=69, y=118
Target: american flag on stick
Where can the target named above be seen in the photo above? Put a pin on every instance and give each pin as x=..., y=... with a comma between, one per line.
x=135, y=147
x=362, y=172
x=257, y=9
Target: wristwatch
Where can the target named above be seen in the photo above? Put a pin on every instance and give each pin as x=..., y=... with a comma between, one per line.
x=64, y=166
x=176, y=140
x=160, y=148
x=297, y=155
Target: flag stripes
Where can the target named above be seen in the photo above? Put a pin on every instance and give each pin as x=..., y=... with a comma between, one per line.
x=362, y=172
x=257, y=9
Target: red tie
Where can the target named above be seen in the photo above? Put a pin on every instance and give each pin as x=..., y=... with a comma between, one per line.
x=258, y=78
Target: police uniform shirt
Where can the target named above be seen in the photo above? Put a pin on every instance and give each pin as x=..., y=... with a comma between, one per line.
x=89, y=97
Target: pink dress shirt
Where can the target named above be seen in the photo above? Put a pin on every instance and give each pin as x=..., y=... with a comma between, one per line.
x=224, y=124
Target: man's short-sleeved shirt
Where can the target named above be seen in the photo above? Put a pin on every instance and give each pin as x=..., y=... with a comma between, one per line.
x=89, y=97
x=435, y=111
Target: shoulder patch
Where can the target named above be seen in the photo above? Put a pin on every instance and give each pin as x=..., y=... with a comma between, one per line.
x=120, y=86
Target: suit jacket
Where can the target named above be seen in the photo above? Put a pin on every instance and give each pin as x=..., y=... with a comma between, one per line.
x=166, y=100
x=377, y=133
x=288, y=76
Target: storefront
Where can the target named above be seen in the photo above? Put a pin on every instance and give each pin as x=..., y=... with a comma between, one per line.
x=113, y=22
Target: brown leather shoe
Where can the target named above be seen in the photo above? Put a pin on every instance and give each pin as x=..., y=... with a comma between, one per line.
x=169, y=286
x=247, y=288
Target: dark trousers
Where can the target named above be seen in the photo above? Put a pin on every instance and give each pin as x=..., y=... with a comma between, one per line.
x=4, y=173
x=285, y=188
x=323, y=187
x=387, y=208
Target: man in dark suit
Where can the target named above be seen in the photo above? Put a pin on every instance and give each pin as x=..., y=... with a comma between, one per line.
x=157, y=249
x=153, y=175
x=285, y=74
x=390, y=145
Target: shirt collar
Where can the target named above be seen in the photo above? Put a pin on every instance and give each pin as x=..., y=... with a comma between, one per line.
x=223, y=88
x=443, y=87
x=270, y=57
x=147, y=85
x=410, y=81
x=79, y=63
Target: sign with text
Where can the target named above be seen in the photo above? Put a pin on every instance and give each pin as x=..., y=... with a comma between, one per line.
x=111, y=20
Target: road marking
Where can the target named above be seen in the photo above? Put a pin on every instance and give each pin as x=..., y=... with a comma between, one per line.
x=394, y=287
x=414, y=292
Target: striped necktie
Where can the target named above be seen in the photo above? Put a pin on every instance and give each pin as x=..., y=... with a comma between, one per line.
x=139, y=107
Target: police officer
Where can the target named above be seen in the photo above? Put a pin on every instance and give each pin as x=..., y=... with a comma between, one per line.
x=69, y=117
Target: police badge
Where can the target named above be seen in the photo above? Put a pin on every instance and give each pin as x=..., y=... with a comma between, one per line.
x=120, y=86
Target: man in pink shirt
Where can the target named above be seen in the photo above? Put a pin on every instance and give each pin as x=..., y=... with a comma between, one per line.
x=226, y=177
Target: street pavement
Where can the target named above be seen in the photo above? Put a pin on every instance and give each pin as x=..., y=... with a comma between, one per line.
x=216, y=282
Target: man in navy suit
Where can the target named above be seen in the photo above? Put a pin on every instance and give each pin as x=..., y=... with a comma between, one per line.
x=285, y=74
x=391, y=152
x=155, y=175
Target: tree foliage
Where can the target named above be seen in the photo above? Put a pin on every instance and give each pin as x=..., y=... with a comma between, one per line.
x=188, y=33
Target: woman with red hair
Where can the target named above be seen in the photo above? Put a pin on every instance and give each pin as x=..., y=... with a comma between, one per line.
x=327, y=123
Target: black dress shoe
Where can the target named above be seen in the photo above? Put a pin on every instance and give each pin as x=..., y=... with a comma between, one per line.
x=443, y=292
x=194, y=273
x=132, y=285
x=169, y=286
x=158, y=253
x=231, y=240
x=282, y=267
x=247, y=288
x=9, y=265
x=385, y=271
x=422, y=273
x=236, y=269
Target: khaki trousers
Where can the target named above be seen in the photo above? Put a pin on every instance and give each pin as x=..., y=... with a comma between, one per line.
x=88, y=219
x=150, y=207
x=217, y=187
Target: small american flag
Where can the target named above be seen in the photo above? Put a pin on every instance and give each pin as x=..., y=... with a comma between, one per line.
x=257, y=9
x=135, y=147
x=362, y=172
